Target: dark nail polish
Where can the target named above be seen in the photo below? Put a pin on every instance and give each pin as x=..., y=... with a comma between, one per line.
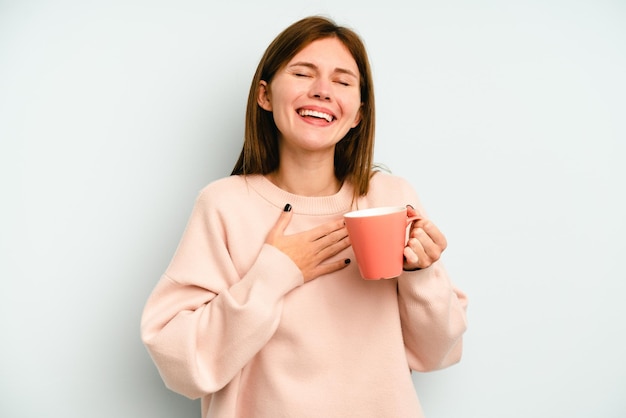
x=287, y=208
x=347, y=261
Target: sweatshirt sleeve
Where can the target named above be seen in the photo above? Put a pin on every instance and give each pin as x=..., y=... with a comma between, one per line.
x=432, y=309
x=433, y=315
x=204, y=321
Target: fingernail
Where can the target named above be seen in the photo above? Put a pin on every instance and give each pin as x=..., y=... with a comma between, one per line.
x=410, y=206
x=347, y=261
x=287, y=208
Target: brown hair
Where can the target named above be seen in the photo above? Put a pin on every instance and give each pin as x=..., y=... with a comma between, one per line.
x=354, y=153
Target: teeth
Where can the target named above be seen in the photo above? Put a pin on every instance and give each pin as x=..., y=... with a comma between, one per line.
x=316, y=114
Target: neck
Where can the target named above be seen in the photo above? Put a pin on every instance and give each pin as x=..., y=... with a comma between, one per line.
x=306, y=181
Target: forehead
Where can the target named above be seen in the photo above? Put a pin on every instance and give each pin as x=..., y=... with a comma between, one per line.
x=330, y=52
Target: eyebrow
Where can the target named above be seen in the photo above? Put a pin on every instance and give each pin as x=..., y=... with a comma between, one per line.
x=314, y=67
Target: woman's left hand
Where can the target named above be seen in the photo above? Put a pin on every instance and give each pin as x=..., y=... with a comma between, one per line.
x=425, y=244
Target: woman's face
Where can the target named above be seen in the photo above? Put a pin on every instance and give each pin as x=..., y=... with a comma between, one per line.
x=315, y=98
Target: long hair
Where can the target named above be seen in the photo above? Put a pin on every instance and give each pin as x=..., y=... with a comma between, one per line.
x=354, y=152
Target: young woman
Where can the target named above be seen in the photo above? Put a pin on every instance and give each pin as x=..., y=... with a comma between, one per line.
x=260, y=312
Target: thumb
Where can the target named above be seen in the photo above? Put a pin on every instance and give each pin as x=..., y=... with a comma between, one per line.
x=281, y=224
x=410, y=211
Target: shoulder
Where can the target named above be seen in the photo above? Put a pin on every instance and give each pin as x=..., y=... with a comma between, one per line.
x=382, y=180
x=226, y=192
x=230, y=184
x=389, y=189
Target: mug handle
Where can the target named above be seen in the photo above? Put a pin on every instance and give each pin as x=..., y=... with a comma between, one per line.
x=410, y=219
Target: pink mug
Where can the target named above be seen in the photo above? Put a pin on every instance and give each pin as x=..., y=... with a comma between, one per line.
x=378, y=237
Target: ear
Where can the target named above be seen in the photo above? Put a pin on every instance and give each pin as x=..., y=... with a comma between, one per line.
x=263, y=96
x=357, y=119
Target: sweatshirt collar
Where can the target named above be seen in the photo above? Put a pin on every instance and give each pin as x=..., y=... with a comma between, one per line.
x=338, y=203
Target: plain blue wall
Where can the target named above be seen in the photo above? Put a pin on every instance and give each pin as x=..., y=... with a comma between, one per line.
x=507, y=116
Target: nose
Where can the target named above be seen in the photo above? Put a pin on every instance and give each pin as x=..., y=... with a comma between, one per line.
x=320, y=89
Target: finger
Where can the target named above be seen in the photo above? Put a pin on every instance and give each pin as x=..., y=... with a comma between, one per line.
x=415, y=245
x=433, y=232
x=281, y=224
x=328, y=228
x=336, y=235
x=332, y=246
x=411, y=211
x=430, y=248
x=410, y=255
x=331, y=267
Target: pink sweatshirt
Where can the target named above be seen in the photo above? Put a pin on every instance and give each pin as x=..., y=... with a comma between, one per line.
x=232, y=322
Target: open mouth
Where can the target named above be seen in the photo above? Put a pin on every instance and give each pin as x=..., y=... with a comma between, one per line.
x=315, y=114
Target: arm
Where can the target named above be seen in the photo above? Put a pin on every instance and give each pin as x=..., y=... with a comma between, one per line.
x=432, y=311
x=203, y=322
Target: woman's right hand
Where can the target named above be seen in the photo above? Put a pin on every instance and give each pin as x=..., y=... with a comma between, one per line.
x=310, y=249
